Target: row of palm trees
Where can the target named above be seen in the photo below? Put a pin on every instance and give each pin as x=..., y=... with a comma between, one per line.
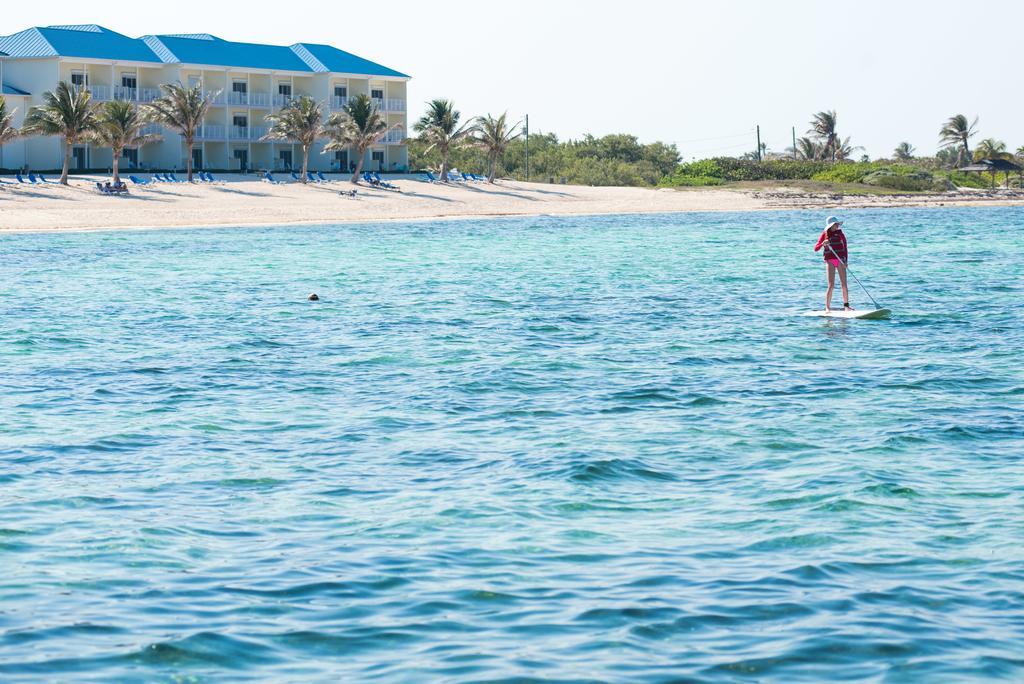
x=70, y=113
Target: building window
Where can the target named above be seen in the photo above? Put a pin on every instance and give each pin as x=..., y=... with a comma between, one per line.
x=377, y=93
x=240, y=120
x=341, y=159
x=240, y=87
x=129, y=81
x=131, y=155
x=286, y=158
x=340, y=91
x=78, y=78
x=284, y=89
x=193, y=81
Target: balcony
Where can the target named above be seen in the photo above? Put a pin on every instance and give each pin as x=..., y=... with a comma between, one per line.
x=283, y=100
x=389, y=105
x=339, y=102
x=393, y=138
x=212, y=132
x=248, y=133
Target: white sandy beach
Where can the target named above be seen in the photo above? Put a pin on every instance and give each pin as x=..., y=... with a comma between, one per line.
x=243, y=200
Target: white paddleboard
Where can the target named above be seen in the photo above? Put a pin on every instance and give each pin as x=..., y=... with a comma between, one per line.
x=869, y=314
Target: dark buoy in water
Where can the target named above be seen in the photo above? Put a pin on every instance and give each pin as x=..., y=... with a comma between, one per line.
x=313, y=297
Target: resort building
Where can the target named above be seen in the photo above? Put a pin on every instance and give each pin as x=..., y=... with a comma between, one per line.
x=251, y=80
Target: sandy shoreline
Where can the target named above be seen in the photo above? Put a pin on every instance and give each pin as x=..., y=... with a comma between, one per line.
x=244, y=201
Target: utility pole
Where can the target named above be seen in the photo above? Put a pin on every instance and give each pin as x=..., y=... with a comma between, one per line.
x=527, y=128
x=794, y=142
x=759, y=143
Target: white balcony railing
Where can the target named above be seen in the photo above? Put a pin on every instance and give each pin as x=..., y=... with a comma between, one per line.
x=393, y=138
x=282, y=100
x=212, y=132
x=257, y=132
x=259, y=99
x=153, y=129
x=236, y=98
x=125, y=93
x=338, y=102
x=149, y=94
x=393, y=105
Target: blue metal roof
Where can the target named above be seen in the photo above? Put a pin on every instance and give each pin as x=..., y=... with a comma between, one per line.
x=327, y=58
x=206, y=49
x=90, y=41
x=11, y=90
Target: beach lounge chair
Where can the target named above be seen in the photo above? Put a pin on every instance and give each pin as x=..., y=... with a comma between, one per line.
x=478, y=179
x=138, y=181
x=369, y=179
x=269, y=178
x=431, y=178
x=452, y=177
x=17, y=174
x=311, y=178
x=43, y=180
x=173, y=178
x=383, y=183
x=208, y=177
x=323, y=179
x=295, y=177
x=33, y=180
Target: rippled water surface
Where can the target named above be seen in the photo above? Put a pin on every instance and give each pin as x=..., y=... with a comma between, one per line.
x=544, y=448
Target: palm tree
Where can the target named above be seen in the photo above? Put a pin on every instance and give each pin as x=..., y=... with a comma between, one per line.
x=359, y=126
x=7, y=130
x=990, y=148
x=301, y=120
x=823, y=127
x=806, y=149
x=904, y=151
x=183, y=110
x=955, y=133
x=1020, y=151
x=64, y=112
x=844, y=150
x=120, y=125
x=493, y=135
x=439, y=129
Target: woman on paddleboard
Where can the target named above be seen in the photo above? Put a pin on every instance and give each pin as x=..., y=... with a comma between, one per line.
x=834, y=243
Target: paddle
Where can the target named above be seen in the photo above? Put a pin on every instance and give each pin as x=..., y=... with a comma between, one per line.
x=829, y=247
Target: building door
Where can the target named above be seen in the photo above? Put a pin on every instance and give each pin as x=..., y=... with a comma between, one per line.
x=286, y=159
x=378, y=159
x=341, y=159
x=243, y=160
x=130, y=157
x=197, y=158
x=80, y=159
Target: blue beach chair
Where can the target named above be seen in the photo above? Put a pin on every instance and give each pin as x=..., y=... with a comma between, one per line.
x=138, y=181
x=269, y=178
x=323, y=179
x=17, y=174
x=431, y=178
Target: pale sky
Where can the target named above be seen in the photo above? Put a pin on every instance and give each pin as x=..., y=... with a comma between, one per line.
x=698, y=73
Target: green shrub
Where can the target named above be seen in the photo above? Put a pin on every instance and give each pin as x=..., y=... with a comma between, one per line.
x=915, y=181
x=844, y=173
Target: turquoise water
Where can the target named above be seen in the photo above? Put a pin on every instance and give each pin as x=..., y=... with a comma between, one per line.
x=570, y=449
